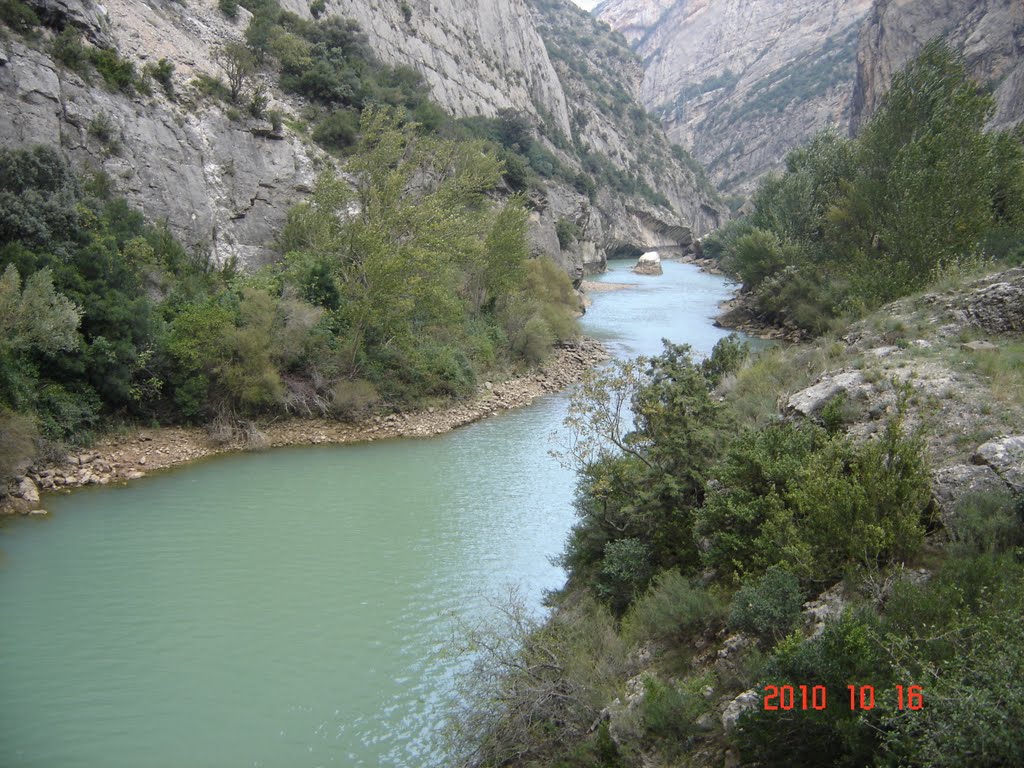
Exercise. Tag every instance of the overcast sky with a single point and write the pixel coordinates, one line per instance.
(588, 4)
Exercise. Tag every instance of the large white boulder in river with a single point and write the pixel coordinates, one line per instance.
(648, 264)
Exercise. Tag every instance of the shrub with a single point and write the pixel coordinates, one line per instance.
(625, 572)
(163, 73)
(533, 691)
(338, 131)
(102, 128)
(354, 400)
(972, 704)
(845, 653)
(117, 73)
(317, 8)
(789, 494)
(568, 233)
(670, 610)
(229, 8)
(18, 16)
(67, 48)
(989, 523)
(258, 101)
(208, 85)
(66, 415)
(668, 713)
(726, 357)
(767, 607)
(534, 340)
(17, 444)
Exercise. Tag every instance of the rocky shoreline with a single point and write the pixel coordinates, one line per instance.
(130, 456)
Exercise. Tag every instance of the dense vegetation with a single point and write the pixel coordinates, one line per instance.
(400, 289)
(853, 224)
(706, 520)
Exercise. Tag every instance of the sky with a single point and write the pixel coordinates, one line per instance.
(586, 4)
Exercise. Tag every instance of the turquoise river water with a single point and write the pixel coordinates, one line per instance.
(292, 608)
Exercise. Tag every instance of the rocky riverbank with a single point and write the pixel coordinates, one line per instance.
(738, 314)
(132, 455)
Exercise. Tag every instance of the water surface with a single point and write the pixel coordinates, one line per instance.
(292, 608)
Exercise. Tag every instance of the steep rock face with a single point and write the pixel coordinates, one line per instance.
(221, 187)
(477, 56)
(989, 33)
(740, 84)
(633, 19)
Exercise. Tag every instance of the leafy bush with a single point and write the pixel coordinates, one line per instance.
(117, 73)
(67, 48)
(18, 16)
(338, 131)
(568, 233)
(990, 523)
(163, 72)
(845, 653)
(668, 714)
(354, 400)
(790, 495)
(208, 85)
(533, 691)
(971, 651)
(670, 610)
(767, 607)
(624, 573)
(641, 483)
(229, 8)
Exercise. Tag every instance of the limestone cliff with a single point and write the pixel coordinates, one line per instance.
(224, 185)
(648, 197)
(989, 34)
(740, 84)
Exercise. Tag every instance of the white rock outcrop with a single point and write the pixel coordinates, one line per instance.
(649, 264)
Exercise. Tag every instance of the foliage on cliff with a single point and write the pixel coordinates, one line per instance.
(402, 288)
(853, 224)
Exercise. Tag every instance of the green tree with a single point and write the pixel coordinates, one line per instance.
(239, 65)
(36, 317)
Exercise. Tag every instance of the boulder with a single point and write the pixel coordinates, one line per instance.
(27, 491)
(648, 264)
(952, 483)
(998, 307)
(90, 19)
(827, 606)
(1006, 457)
(745, 702)
(978, 346)
(810, 401)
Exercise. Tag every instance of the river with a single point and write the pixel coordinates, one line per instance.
(292, 608)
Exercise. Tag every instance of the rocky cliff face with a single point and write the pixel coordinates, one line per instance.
(740, 84)
(670, 202)
(225, 185)
(477, 56)
(989, 33)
